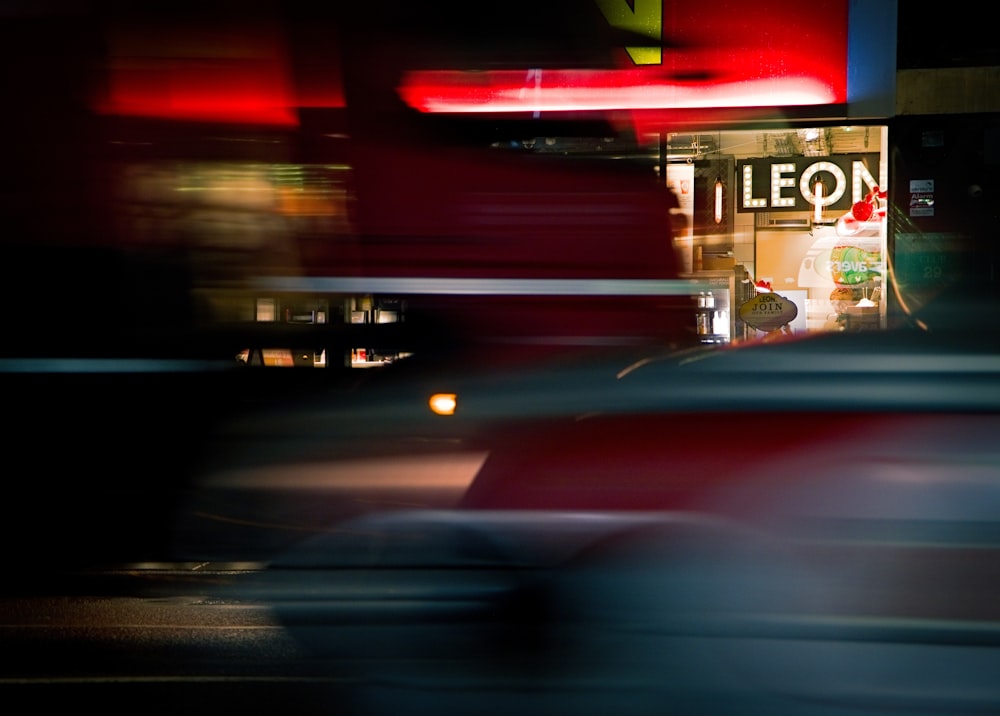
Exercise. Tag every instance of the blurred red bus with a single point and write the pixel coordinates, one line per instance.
(481, 232)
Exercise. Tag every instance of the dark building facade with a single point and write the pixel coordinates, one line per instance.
(945, 138)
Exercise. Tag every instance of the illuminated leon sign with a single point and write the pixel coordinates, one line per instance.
(709, 54)
(791, 184)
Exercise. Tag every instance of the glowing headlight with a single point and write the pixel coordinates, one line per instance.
(443, 403)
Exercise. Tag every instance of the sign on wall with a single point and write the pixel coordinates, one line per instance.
(768, 312)
(798, 183)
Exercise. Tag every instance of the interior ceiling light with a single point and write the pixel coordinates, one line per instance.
(818, 208)
(718, 200)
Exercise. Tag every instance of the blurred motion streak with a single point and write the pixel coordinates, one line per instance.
(581, 90)
(806, 526)
(283, 143)
(445, 471)
(224, 71)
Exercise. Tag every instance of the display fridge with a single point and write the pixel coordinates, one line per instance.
(718, 295)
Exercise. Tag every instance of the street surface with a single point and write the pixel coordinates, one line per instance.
(158, 641)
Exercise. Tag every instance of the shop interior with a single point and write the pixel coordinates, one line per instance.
(811, 230)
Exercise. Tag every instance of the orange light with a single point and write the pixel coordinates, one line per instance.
(718, 201)
(443, 403)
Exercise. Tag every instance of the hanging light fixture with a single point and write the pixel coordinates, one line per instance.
(818, 199)
(718, 200)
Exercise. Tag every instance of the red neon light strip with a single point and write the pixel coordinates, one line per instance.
(444, 91)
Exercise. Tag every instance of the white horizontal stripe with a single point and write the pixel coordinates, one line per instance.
(482, 286)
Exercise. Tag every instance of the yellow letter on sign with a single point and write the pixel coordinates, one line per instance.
(643, 17)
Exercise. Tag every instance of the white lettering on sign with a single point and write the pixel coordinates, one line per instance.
(783, 178)
(749, 202)
(768, 312)
(847, 266)
(806, 185)
(779, 181)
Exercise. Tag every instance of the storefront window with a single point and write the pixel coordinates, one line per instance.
(798, 214)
